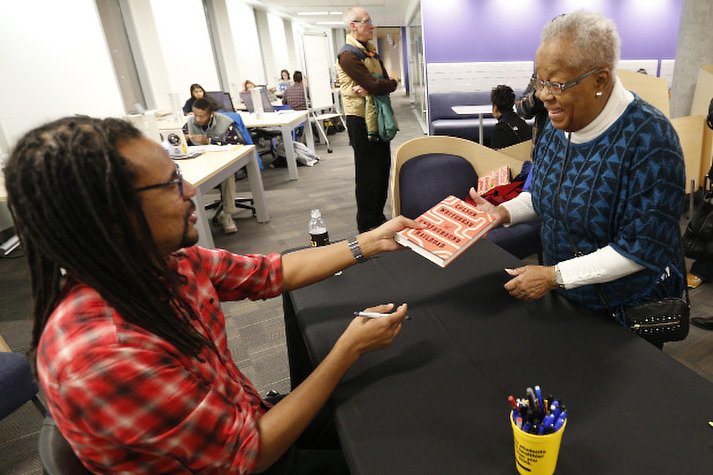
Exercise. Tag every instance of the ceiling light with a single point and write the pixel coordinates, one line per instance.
(330, 23)
(312, 13)
(335, 13)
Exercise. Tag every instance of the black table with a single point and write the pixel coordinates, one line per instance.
(435, 402)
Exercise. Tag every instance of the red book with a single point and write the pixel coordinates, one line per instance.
(451, 227)
(498, 177)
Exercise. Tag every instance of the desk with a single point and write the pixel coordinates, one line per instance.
(470, 110)
(436, 400)
(286, 121)
(212, 168)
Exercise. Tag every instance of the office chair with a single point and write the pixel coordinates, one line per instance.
(17, 382)
(428, 169)
(241, 203)
(56, 454)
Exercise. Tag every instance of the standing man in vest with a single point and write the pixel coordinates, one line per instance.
(358, 66)
(206, 127)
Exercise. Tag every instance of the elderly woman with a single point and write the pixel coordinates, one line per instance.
(607, 181)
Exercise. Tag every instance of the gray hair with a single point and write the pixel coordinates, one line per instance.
(594, 38)
(350, 15)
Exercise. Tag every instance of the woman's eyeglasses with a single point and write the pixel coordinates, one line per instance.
(557, 88)
(178, 180)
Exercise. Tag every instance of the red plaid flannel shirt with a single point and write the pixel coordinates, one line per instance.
(129, 402)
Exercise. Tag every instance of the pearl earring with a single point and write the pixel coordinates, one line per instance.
(598, 94)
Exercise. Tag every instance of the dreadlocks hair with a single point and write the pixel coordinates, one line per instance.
(75, 209)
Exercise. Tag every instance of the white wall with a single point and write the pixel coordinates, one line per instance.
(149, 58)
(278, 40)
(226, 48)
(185, 42)
(55, 63)
(57, 71)
(247, 44)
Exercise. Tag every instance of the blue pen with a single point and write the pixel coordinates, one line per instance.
(538, 393)
(546, 422)
(555, 409)
(560, 421)
(526, 427)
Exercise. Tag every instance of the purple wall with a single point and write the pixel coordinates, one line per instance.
(509, 30)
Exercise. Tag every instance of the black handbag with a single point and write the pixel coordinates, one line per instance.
(660, 320)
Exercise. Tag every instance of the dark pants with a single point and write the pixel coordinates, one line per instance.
(316, 452)
(310, 462)
(372, 164)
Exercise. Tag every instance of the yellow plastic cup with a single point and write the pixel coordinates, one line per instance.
(536, 454)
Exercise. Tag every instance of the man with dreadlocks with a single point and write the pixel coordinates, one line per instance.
(130, 340)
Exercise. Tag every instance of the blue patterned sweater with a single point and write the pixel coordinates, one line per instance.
(625, 189)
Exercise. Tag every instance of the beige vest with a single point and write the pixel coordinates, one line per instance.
(353, 102)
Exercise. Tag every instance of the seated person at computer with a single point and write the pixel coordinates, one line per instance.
(197, 92)
(295, 95)
(129, 336)
(284, 82)
(248, 84)
(206, 127)
(510, 129)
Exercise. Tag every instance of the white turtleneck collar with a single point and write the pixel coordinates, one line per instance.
(618, 101)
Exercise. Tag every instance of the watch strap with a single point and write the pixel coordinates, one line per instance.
(356, 250)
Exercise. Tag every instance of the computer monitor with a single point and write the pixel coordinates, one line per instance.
(223, 99)
(247, 98)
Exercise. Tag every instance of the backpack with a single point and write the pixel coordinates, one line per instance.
(304, 155)
(353, 49)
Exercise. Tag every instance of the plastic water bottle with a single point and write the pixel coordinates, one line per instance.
(318, 235)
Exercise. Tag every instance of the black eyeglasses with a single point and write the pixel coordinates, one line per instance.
(178, 180)
(557, 88)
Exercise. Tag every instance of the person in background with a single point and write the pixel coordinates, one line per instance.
(358, 66)
(129, 336)
(530, 106)
(248, 84)
(197, 92)
(284, 81)
(607, 179)
(510, 129)
(207, 127)
(295, 95)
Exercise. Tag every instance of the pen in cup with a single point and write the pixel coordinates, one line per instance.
(375, 315)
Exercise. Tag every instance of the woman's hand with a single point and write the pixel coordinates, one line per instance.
(531, 282)
(501, 215)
